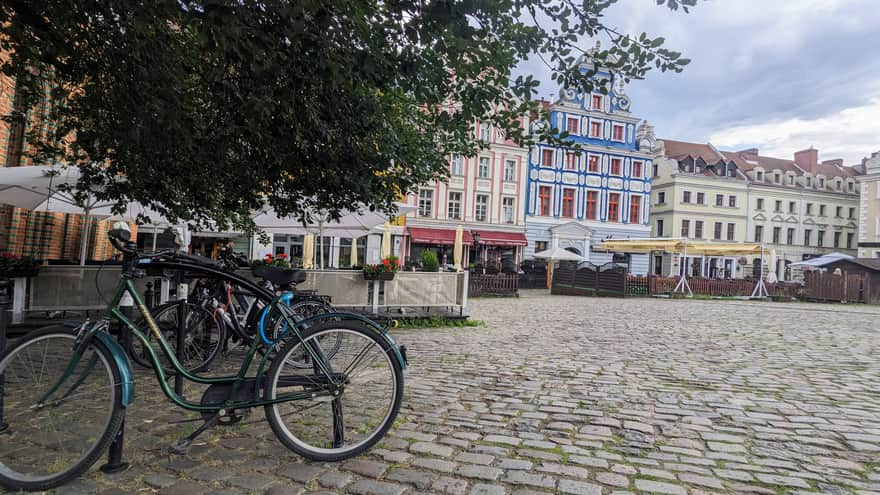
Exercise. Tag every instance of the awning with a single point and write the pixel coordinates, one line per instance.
(494, 238)
(680, 246)
(641, 245)
(425, 235)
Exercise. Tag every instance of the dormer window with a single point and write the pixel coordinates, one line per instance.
(821, 183)
(837, 185)
(790, 180)
(809, 181)
(850, 187)
(777, 178)
(759, 176)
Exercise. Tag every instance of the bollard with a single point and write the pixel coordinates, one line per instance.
(4, 324)
(182, 290)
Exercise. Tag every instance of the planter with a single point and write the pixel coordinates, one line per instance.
(20, 273)
(379, 276)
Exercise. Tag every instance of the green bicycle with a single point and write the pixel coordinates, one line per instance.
(65, 390)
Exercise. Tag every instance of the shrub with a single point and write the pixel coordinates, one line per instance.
(430, 263)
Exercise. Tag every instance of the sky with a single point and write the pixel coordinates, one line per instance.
(779, 75)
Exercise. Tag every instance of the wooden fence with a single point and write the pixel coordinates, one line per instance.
(589, 280)
(825, 286)
(713, 287)
(499, 284)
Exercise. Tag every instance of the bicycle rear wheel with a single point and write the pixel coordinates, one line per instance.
(325, 427)
(47, 444)
(203, 337)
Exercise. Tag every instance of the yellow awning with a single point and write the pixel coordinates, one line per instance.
(679, 246)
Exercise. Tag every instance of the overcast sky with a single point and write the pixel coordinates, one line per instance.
(781, 75)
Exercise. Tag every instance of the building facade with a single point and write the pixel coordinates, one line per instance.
(799, 208)
(484, 194)
(601, 189)
(869, 208)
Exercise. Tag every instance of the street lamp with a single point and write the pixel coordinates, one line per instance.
(479, 259)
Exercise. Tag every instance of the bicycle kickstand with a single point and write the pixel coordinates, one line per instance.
(180, 447)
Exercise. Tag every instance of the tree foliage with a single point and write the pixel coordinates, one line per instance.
(209, 109)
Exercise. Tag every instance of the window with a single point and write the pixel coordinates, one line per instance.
(838, 212)
(686, 197)
(808, 234)
(809, 208)
(731, 201)
(837, 185)
(510, 171)
(617, 132)
(777, 178)
(731, 229)
(485, 132)
(661, 197)
(481, 207)
(571, 160)
(547, 158)
(792, 207)
(659, 228)
(615, 166)
(849, 239)
(453, 209)
(685, 228)
(701, 198)
(821, 183)
(544, 200)
(777, 231)
(572, 125)
(760, 204)
(716, 234)
(809, 181)
(426, 202)
(593, 163)
(635, 209)
(789, 237)
(483, 167)
(597, 102)
(592, 204)
(852, 213)
(759, 233)
(790, 180)
(759, 176)
(595, 129)
(507, 209)
(850, 187)
(837, 239)
(637, 169)
(821, 210)
(820, 241)
(457, 167)
(778, 205)
(614, 207)
(719, 200)
(698, 229)
(568, 203)
(656, 170)
(540, 246)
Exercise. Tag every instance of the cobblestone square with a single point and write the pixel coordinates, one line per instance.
(577, 396)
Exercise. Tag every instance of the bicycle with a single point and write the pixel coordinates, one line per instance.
(57, 377)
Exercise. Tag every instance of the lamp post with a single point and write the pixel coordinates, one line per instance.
(479, 259)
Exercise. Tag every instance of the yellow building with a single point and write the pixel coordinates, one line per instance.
(798, 208)
(869, 208)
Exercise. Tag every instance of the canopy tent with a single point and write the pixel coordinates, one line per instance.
(684, 247)
(819, 262)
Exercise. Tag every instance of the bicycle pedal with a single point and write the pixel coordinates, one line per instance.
(180, 447)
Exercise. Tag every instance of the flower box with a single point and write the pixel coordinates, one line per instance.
(379, 276)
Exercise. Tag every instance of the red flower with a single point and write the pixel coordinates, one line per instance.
(283, 256)
(386, 262)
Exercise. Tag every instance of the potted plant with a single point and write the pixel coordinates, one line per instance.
(382, 271)
(259, 266)
(430, 263)
(12, 266)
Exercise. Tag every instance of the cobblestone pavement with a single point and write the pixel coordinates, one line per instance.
(579, 396)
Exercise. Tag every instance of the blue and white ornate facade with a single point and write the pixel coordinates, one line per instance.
(576, 198)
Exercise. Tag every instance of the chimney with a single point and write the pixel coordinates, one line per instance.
(807, 159)
(749, 154)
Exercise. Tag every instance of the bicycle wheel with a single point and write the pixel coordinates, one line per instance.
(304, 309)
(44, 446)
(326, 427)
(203, 337)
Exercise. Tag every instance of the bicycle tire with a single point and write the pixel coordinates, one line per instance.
(205, 349)
(313, 333)
(18, 436)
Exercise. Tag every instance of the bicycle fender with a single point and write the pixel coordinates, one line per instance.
(401, 358)
(121, 359)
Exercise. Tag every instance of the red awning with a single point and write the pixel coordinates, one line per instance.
(490, 238)
(425, 235)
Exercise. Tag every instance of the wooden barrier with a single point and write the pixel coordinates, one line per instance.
(499, 284)
(825, 286)
(648, 286)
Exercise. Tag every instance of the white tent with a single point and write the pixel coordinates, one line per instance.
(819, 262)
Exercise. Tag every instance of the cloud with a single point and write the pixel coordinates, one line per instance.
(848, 134)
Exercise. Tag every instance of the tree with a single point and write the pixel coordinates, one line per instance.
(207, 110)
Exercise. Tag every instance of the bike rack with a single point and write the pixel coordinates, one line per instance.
(5, 302)
(115, 464)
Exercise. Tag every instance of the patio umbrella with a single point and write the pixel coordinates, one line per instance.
(385, 250)
(556, 254)
(771, 268)
(354, 252)
(308, 251)
(37, 188)
(457, 249)
(353, 223)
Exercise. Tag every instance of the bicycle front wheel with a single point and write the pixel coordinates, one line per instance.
(323, 426)
(47, 441)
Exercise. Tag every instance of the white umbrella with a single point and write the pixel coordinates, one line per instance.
(556, 254)
(458, 248)
(354, 252)
(771, 268)
(385, 249)
(357, 221)
(37, 188)
(308, 251)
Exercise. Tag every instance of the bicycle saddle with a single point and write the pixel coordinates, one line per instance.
(280, 276)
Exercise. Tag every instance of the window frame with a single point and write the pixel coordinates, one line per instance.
(545, 161)
(568, 125)
(614, 205)
(510, 165)
(611, 167)
(545, 200)
(571, 160)
(635, 209)
(477, 206)
(594, 124)
(425, 203)
(591, 161)
(504, 209)
(488, 168)
(592, 201)
(568, 199)
(450, 202)
(457, 162)
(622, 129)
